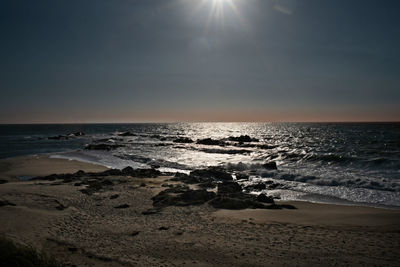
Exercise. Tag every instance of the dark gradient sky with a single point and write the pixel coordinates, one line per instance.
(174, 60)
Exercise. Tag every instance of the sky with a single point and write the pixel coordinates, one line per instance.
(67, 61)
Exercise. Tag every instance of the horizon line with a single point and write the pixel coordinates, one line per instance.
(173, 122)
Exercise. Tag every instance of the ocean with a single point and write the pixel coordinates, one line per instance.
(342, 163)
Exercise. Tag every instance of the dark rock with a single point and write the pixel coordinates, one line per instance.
(210, 142)
(187, 179)
(264, 198)
(127, 170)
(135, 233)
(114, 196)
(270, 165)
(242, 176)
(183, 140)
(126, 134)
(256, 187)
(58, 137)
(181, 197)
(2, 181)
(79, 173)
(60, 206)
(72, 249)
(106, 147)
(259, 186)
(76, 134)
(163, 228)
(95, 185)
(208, 184)
(123, 206)
(142, 185)
(214, 173)
(228, 188)
(6, 203)
(274, 186)
(150, 211)
(243, 139)
(144, 173)
(266, 146)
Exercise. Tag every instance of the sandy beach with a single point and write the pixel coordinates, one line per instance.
(111, 225)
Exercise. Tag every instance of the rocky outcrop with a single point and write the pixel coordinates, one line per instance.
(242, 139)
(181, 196)
(215, 173)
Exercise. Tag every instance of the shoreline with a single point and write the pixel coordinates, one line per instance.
(112, 225)
(64, 165)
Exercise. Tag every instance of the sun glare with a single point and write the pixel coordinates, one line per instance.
(220, 10)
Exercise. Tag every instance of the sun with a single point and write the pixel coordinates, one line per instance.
(220, 9)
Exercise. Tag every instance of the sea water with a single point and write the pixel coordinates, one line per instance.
(349, 163)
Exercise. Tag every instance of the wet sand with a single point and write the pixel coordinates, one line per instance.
(107, 228)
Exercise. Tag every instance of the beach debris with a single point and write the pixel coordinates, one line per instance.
(163, 228)
(184, 140)
(2, 181)
(134, 233)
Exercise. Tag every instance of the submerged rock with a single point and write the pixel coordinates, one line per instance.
(210, 142)
(183, 140)
(106, 147)
(270, 165)
(76, 134)
(242, 139)
(58, 137)
(126, 134)
(242, 176)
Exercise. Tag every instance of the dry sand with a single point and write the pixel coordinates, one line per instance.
(87, 230)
